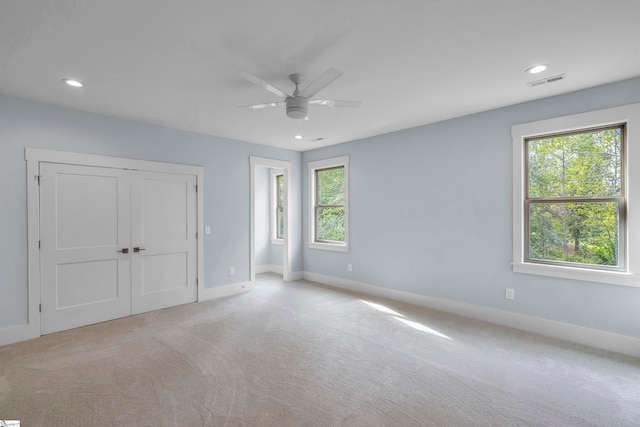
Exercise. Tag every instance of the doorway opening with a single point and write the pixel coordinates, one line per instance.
(270, 217)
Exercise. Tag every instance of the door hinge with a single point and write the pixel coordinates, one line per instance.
(40, 308)
(196, 188)
(39, 244)
(38, 178)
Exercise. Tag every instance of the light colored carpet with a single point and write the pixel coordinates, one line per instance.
(300, 354)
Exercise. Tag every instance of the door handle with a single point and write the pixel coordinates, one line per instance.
(124, 250)
(137, 249)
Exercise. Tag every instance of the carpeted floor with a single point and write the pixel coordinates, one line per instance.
(300, 354)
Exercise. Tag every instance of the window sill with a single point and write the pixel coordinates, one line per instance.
(600, 276)
(277, 242)
(337, 247)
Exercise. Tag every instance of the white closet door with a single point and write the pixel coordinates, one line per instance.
(163, 225)
(84, 223)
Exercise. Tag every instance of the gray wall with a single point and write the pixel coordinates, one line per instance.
(431, 213)
(226, 197)
(430, 206)
(276, 254)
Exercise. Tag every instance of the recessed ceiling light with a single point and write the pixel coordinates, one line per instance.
(73, 83)
(536, 69)
(298, 137)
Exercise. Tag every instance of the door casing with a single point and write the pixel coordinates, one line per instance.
(256, 162)
(36, 156)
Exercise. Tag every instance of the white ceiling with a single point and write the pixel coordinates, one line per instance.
(410, 62)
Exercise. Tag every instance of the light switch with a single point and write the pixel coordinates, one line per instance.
(207, 229)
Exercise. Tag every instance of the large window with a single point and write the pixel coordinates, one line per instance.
(329, 204)
(573, 196)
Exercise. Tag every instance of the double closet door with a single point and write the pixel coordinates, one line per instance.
(113, 243)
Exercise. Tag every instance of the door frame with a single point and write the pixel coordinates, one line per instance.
(35, 156)
(262, 162)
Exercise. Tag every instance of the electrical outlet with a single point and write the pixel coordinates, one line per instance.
(349, 267)
(232, 271)
(510, 294)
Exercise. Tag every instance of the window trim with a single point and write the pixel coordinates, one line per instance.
(629, 116)
(275, 240)
(342, 161)
(621, 200)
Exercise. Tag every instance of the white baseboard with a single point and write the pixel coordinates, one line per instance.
(269, 268)
(296, 275)
(578, 334)
(205, 294)
(274, 268)
(18, 333)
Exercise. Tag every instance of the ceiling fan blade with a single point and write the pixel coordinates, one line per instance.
(334, 103)
(321, 82)
(257, 80)
(258, 106)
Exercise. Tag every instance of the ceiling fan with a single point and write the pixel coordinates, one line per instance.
(298, 102)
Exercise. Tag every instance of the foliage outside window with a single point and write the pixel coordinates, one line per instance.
(329, 204)
(575, 200)
(279, 214)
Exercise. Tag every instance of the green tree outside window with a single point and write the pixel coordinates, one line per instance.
(575, 201)
(330, 205)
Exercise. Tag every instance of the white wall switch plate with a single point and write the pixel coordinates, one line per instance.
(207, 229)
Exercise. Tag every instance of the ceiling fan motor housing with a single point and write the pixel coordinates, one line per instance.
(297, 107)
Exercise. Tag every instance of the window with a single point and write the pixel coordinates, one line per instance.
(574, 202)
(329, 204)
(279, 204)
(573, 178)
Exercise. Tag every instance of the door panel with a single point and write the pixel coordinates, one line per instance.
(86, 211)
(163, 224)
(84, 221)
(163, 272)
(81, 283)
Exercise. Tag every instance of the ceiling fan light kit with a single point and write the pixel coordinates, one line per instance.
(297, 107)
(297, 103)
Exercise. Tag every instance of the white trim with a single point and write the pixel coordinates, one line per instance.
(322, 164)
(269, 268)
(34, 157)
(297, 275)
(596, 338)
(628, 114)
(19, 333)
(600, 276)
(337, 247)
(273, 200)
(225, 291)
(286, 251)
(64, 157)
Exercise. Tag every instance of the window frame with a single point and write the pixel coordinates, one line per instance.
(629, 117)
(275, 173)
(621, 200)
(319, 165)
